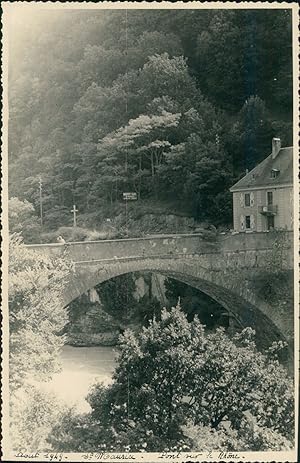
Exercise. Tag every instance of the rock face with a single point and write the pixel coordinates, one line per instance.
(152, 223)
(152, 285)
(141, 287)
(93, 328)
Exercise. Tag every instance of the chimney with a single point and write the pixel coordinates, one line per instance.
(276, 146)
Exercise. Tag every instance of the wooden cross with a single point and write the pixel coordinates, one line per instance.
(74, 210)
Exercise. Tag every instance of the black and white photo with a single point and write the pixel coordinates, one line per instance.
(150, 231)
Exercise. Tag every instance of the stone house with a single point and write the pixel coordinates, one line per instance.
(263, 198)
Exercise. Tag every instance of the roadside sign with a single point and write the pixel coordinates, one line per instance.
(131, 196)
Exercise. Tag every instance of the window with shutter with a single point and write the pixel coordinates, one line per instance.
(247, 199)
(242, 222)
(247, 222)
(241, 200)
(252, 222)
(251, 199)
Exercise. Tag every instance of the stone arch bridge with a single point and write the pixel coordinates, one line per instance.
(229, 268)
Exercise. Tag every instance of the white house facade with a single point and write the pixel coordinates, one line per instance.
(263, 198)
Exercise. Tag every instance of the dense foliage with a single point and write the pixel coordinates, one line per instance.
(34, 413)
(36, 317)
(23, 219)
(177, 387)
(195, 302)
(36, 313)
(170, 104)
(117, 295)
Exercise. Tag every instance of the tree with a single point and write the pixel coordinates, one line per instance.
(36, 319)
(140, 138)
(238, 384)
(22, 219)
(167, 76)
(250, 437)
(39, 408)
(175, 384)
(252, 133)
(148, 307)
(208, 177)
(111, 67)
(36, 313)
(233, 62)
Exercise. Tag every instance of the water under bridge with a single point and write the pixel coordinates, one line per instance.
(230, 268)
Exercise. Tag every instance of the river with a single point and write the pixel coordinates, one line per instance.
(81, 367)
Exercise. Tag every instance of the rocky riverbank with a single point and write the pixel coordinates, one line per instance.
(86, 333)
(99, 322)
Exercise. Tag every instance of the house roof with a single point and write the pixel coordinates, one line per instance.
(260, 176)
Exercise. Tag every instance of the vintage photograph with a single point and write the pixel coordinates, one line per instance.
(150, 231)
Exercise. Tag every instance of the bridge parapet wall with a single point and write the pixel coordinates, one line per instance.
(132, 247)
(165, 245)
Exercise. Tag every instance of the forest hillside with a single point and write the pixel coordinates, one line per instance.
(172, 105)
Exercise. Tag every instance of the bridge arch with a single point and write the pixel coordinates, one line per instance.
(229, 268)
(231, 292)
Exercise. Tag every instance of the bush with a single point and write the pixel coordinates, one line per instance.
(50, 237)
(148, 308)
(205, 438)
(57, 216)
(94, 235)
(33, 415)
(249, 437)
(177, 387)
(72, 233)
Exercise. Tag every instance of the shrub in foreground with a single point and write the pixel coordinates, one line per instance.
(177, 387)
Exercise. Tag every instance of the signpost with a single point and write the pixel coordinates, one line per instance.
(129, 196)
